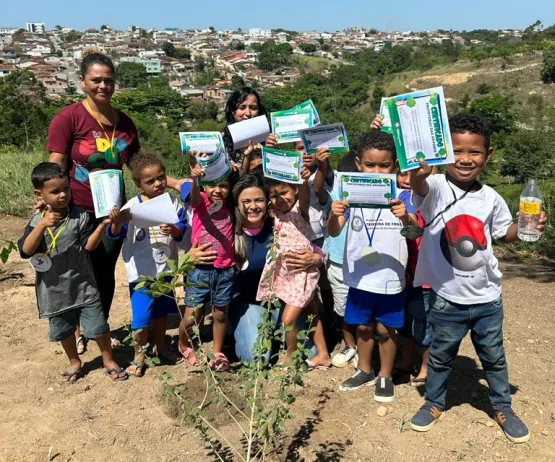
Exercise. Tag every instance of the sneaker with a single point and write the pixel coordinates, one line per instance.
(343, 358)
(426, 417)
(515, 429)
(358, 379)
(385, 390)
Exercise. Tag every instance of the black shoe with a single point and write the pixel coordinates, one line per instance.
(358, 379)
(385, 390)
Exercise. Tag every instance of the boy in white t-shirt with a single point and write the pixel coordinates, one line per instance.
(462, 218)
(374, 269)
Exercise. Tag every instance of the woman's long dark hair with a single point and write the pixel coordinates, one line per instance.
(250, 180)
(238, 97)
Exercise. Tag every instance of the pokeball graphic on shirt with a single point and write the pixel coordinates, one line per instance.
(464, 243)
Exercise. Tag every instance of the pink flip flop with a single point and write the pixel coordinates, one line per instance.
(220, 363)
(189, 355)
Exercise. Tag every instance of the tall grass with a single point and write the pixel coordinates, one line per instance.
(16, 190)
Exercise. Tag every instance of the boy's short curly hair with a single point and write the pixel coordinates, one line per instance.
(142, 160)
(464, 122)
(376, 139)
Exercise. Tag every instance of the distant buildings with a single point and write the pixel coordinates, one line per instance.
(36, 27)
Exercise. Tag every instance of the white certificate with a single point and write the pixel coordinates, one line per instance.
(217, 167)
(208, 142)
(282, 165)
(286, 124)
(420, 128)
(106, 189)
(332, 136)
(371, 190)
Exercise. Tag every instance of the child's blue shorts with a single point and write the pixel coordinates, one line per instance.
(365, 308)
(209, 285)
(145, 307)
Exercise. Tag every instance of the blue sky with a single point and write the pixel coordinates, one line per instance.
(289, 14)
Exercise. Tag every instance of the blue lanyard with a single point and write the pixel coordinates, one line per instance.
(370, 237)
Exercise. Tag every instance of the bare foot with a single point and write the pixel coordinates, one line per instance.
(321, 360)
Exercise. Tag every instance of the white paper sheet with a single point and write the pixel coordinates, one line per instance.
(106, 189)
(154, 212)
(256, 130)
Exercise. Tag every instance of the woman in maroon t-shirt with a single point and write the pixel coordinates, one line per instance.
(91, 135)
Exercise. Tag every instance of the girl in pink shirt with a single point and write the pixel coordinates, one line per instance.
(210, 283)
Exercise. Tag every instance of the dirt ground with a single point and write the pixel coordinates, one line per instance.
(96, 419)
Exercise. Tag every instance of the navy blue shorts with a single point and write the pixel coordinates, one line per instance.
(365, 308)
(206, 284)
(145, 307)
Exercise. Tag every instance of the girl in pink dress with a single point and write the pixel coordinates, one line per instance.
(292, 234)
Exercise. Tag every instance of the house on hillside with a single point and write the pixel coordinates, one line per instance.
(6, 69)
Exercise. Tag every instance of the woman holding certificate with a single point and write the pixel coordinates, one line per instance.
(243, 104)
(92, 135)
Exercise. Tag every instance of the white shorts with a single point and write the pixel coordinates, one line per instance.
(339, 290)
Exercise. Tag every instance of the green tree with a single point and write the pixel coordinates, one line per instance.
(158, 81)
(528, 154)
(548, 69)
(59, 53)
(237, 82)
(58, 27)
(161, 104)
(201, 110)
(308, 47)
(377, 94)
(169, 49)
(272, 56)
(497, 109)
(131, 75)
(24, 110)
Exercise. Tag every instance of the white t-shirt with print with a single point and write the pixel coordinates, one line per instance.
(139, 245)
(456, 257)
(382, 272)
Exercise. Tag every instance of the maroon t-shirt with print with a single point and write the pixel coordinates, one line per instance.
(77, 134)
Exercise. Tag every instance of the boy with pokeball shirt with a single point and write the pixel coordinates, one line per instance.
(462, 218)
(57, 242)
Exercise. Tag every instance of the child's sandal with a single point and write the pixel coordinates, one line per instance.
(136, 369)
(220, 363)
(81, 345)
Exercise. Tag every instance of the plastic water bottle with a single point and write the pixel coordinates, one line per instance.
(530, 208)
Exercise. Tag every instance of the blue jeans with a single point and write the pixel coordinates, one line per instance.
(245, 318)
(450, 324)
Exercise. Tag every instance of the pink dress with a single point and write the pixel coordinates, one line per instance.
(292, 233)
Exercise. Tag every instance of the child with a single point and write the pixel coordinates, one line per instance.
(58, 242)
(213, 283)
(374, 269)
(145, 253)
(335, 248)
(295, 288)
(417, 331)
(462, 217)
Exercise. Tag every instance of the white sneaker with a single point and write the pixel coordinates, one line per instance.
(343, 358)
